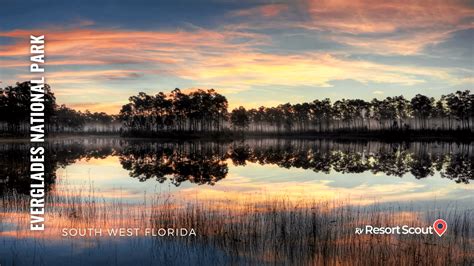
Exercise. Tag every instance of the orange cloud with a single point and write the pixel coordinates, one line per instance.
(270, 10)
(408, 25)
(369, 16)
(385, 27)
(209, 59)
(240, 71)
(83, 46)
(106, 54)
(109, 54)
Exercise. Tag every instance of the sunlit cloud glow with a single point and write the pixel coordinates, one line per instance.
(264, 45)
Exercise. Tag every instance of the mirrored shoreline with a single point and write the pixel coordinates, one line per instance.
(205, 162)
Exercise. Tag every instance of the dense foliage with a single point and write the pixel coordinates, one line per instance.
(198, 111)
(206, 111)
(15, 110)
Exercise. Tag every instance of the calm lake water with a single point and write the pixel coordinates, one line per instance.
(112, 182)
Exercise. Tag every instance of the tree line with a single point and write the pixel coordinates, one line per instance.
(454, 111)
(198, 111)
(206, 111)
(15, 110)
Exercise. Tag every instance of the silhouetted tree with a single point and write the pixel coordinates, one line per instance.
(203, 111)
(239, 118)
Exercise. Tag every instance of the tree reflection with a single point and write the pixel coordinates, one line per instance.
(196, 163)
(207, 162)
(14, 161)
(459, 168)
(454, 161)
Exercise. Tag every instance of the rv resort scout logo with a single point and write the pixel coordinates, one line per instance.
(439, 227)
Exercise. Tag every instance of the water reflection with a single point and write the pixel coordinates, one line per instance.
(200, 163)
(14, 160)
(207, 162)
(261, 201)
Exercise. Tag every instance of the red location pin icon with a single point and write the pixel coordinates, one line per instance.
(440, 226)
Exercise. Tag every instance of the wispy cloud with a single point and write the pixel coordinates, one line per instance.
(242, 71)
(385, 27)
(108, 46)
(268, 10)
(210, 59)
(242, 52)
(372, 16)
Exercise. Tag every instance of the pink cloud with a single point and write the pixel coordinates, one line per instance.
(408, 26)
(369, 16)
(270, 10)
(384, 27)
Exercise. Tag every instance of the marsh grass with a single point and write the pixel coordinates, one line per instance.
(276, 231)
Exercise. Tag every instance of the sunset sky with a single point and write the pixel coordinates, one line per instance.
(254, 52)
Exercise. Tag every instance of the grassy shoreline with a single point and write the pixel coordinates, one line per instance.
(278, 231)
